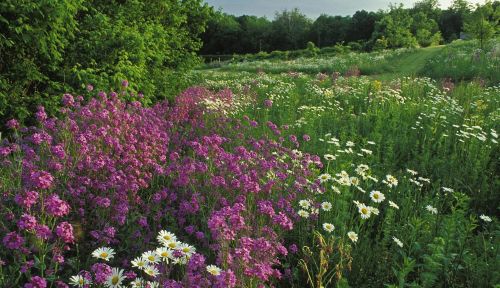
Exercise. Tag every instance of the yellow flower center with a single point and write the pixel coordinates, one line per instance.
(172, 245)
(375, 196)
(115, 279)
(164, 254)
(166, 237)
(104, 255)
(364, 210)
(151, 258)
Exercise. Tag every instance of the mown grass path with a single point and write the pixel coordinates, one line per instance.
(409, 65)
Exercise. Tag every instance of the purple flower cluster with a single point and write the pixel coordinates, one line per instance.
(113, 171)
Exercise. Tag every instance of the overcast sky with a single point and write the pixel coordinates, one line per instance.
(312, 8)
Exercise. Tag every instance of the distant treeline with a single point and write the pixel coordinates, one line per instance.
(424, 24)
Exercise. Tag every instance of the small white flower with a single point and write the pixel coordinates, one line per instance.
(431, 209)
(353, 236)
(354, 181)
(393, 205)
(391, 181)
(349, 144)
(329, 157)
(79, 281)
(104, 253)
(305, 204)
(326, 206)
(398, 242)
(377, 196)
(336, 189)
(374, 210)
(303, 213)
(214, 270)
(485, 218)
(412, 172)
(328, 227)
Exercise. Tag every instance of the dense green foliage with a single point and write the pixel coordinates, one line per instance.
(424, 24)
(51, 47)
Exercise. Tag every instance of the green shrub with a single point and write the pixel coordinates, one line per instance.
(52, 47)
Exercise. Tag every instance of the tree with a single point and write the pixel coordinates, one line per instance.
(395, 26)
(289, 30)
(329, 30)
(362, 25)
(451, 21)
(254, 34)
(483, 22)
(222, 35)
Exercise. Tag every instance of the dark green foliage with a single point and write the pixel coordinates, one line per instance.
(52, 47)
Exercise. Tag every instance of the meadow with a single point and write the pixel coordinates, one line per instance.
(351, 170)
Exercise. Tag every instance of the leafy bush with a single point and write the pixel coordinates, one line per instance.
(49, 47)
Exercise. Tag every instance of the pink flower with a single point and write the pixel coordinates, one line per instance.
(55, 206)
(13, 124)
(65, 231)
(42, 179)
(13, 241)
(27, 222)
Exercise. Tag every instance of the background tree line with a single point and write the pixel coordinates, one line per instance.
(424, 24)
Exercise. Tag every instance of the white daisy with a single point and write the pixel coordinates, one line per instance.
(324, 177)
(326, 206)
(377, 196)
(79, 281)
(151, 270)
(187, 249)
(172, 244)
(137, 283)
(303, 213)
(164, 237)
(138, 262)
(153, 284)
(364, 211)
(214, 270)
(150, 257)
(164, 253)
(353, 236)
(104, 253)
(305, 204)
(115, 279)
(354, 181)
(328, 227)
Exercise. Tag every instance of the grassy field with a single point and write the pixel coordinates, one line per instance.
(436, 136)
(353, 170)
